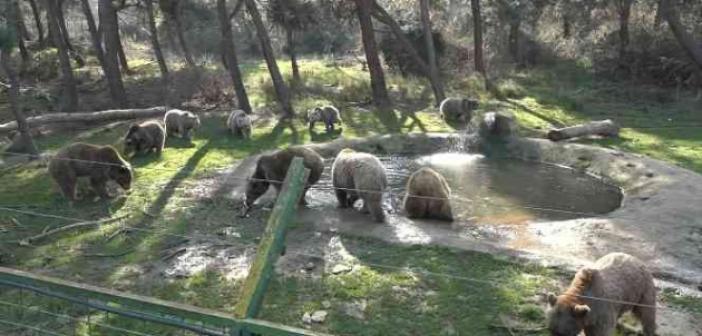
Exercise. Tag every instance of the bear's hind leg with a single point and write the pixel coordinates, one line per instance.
(342, 197)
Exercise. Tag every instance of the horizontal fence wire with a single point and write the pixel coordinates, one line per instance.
(495, 284)
(370, 191)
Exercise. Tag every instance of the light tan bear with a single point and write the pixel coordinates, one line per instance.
(427, 196)
(458, 109)
(360, 175)
(239, 124)
(181, 123)
(329, 115)
(600, 294)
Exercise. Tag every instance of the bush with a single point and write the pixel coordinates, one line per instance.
(398, 59)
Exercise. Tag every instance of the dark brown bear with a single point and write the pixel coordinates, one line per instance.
(274, 167)
(99, 163)
(600, 294)
(145, 137)
(428, 196)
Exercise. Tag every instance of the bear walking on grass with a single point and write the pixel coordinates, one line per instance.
(600, 294)
(458, 109)
(274, 167)
(99, 163)
(180, 123)
(145, 137)
(360, 175)
(329, 115)
(427, 196)
(239, 124)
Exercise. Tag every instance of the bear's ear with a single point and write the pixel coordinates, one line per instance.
(580, 310)
(587, 273)
(551, 298)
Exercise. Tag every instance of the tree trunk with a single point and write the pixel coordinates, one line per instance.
(49, 32)
(380, 92)
(19, 27)
(431, 52)
(156, 46)
(22, 26)
(383, 16)
(123, 62)
(80, 62)
(181, 37)
(37, 21)
(230, 59)
(87, 117)
(624, 9)
(605, 128)
(686, 40)
(94, 35)
(23, 143)
(111, 41)
(513, 39)
(281, 89)
(290, 34)
(68, 83)
(478, 37)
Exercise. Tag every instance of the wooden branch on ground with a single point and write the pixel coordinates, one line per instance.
(606, 128)
(87, 117)
(30, 240)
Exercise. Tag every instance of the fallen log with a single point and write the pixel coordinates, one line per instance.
(87, 117)
(605, 128)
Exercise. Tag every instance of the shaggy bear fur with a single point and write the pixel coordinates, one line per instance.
(329, 115)
(99, 163)
(458, 109)
(497, 125)
(364, 173)
(616, 276)
(274, 167)
(239, 123)
(433, 196)
(180, 123)
(145, 137)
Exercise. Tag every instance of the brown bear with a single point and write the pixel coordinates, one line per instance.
(145, 137)
(99, 163)
(329, 115)
(180, 123)
(239, 123)
(458, 109)
(360, 175)
(427, 196)
(274, 167)
(600, 294)
(497, 125)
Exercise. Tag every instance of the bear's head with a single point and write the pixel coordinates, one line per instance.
(564, 317)
(258, 183)
(134, 139)
(122, 175)
(567, 314)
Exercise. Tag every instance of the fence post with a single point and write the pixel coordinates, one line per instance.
(272, 241)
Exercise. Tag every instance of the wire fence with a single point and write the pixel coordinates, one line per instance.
(84, 321)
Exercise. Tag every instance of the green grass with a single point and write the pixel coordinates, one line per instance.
(398, 301)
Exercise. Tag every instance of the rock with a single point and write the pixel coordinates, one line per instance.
(326, 304)
(355, 309)
(309, 266)
(306, 318)
(340, 268)
(319, 316)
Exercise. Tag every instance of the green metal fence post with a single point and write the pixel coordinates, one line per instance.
(273, 240)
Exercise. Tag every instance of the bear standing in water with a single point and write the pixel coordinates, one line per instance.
(144, 138)
(100, 163)
(617, 278)
(274, 167)
(360, 175)
(427, 196)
